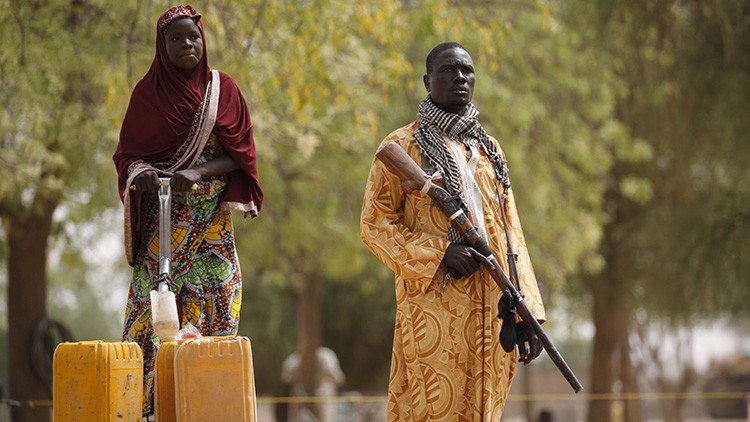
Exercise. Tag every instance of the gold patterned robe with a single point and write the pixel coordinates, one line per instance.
(447, 363)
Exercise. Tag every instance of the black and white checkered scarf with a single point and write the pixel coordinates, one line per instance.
(433, 121)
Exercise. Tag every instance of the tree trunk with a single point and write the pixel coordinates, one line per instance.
(309, 334)
(629, 381)
(612, 291)
(606, 341)
(27, 278)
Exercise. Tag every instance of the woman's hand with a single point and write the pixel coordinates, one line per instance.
(183, 180)
(147, 181)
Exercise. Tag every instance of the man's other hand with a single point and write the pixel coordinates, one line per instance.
(529, 345)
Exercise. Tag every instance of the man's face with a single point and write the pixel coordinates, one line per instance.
(184, 43)
(451, 80)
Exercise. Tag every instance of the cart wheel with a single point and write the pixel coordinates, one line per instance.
(48, 333)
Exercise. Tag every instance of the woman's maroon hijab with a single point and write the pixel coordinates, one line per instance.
(163, 106)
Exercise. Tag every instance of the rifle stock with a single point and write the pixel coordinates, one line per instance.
(414, 178)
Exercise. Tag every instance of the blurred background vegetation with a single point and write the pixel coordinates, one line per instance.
(625, 123)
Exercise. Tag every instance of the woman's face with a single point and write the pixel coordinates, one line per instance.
(184, 43)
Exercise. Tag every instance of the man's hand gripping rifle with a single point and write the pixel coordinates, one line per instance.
(414, 178)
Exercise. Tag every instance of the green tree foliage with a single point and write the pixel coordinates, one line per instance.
(54, 128)
(685, 71)
(675, 255)
(703, 203)
(351, 73)
(326, 81)
(54, 120)
(644, 100)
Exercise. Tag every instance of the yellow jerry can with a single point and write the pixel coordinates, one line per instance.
(214, 380)
(97, 381)
(164, 392)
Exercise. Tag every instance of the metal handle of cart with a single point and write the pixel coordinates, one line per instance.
(165, 228)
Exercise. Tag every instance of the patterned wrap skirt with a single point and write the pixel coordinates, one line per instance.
(204, 266)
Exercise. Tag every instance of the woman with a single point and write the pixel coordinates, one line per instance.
(189, 123)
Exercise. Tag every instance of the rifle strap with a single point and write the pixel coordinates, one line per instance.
(510, 335)
(511, 255)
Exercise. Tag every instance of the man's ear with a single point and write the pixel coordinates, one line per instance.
(426, 79)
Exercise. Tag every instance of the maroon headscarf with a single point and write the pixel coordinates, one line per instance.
(162, 108)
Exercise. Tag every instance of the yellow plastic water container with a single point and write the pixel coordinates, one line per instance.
(164, 392)
(214, 380)
(97, 381)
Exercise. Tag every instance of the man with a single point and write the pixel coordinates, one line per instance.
(447, 363)
(329, 377)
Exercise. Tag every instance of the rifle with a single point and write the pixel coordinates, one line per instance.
(414, 178)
